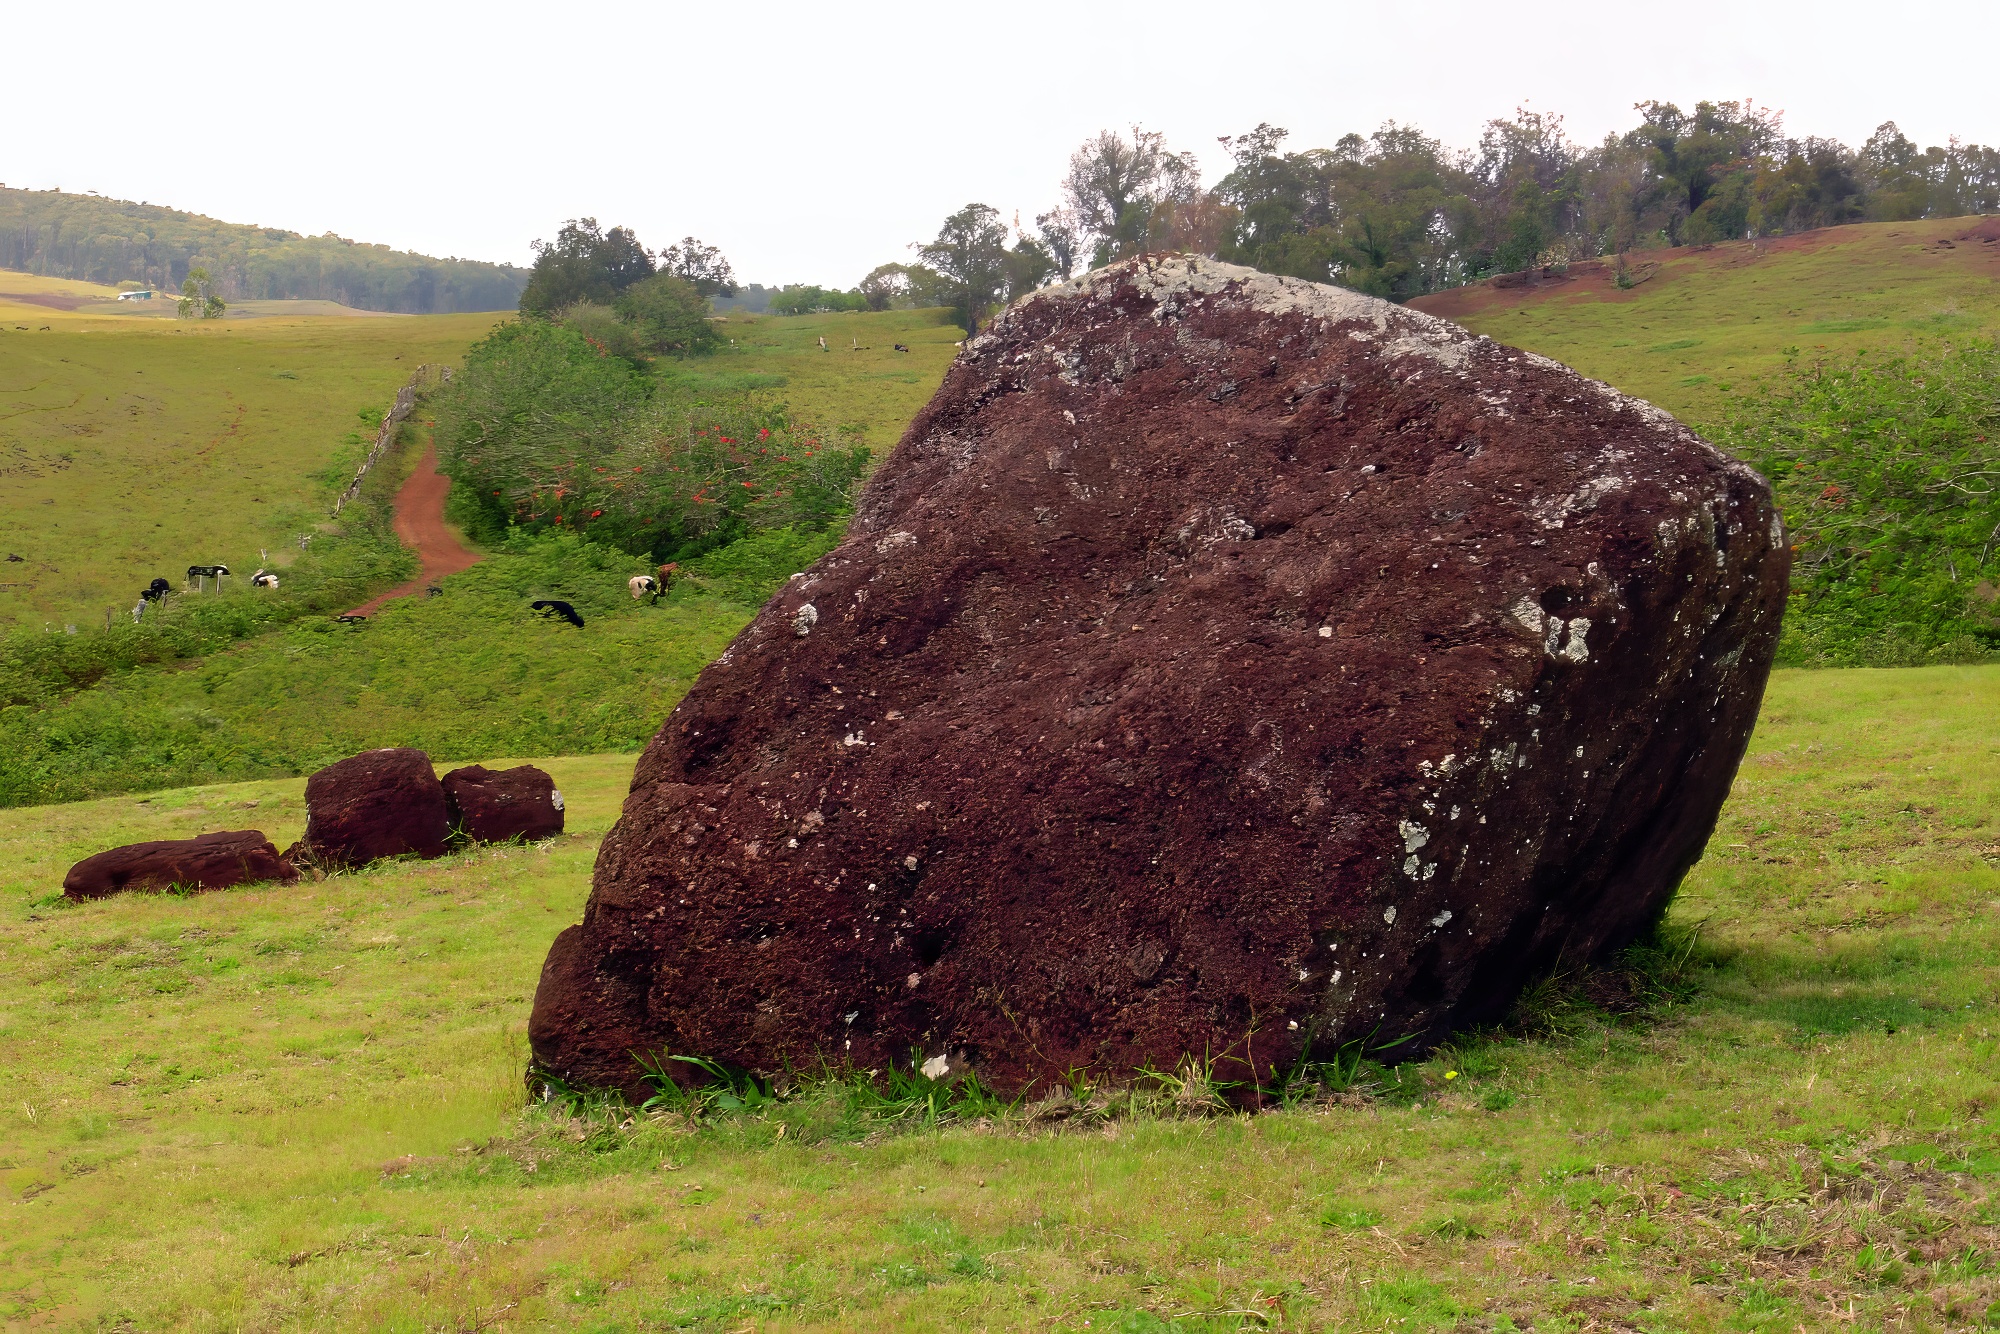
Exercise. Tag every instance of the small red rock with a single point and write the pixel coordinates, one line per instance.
(380, 803)
(211, 861)
(493, 806)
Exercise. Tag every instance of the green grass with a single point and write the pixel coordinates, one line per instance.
(467, 673)
(1714, 320)
(300, 1108)
(133, 447)
(874, 391)
(472, 672)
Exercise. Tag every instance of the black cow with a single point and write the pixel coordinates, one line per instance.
(433, 591)
(560, 610)
(155, 591)
(200, 572)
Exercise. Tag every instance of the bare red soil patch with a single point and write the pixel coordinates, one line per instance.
(421, 526)
(53, 300)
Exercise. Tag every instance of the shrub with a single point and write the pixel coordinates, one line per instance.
(545, 431)
(1887, 470)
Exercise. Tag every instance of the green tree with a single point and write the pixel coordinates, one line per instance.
(198, 297)
(1115, 186)
(669, 314)
(700, 266)
(970, 253)
(583, 263)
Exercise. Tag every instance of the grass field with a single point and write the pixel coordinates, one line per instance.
(1720, 317)
(471, 672)
(301, 1109)
(132, 447)
(860, 381)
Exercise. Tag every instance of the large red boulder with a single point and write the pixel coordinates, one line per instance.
(210, 861)
(493, 806)
(1221, 665)
(380, 803)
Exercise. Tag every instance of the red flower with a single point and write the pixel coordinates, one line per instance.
(763, 434)
(596, 514)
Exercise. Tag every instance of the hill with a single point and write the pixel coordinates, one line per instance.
(1703, 320)
(303, 1107)
(99, 240)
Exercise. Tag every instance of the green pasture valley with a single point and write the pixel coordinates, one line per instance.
(1710, 319)
(132, 448)
(302, 1107)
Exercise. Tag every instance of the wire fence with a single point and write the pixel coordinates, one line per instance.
(425, 378)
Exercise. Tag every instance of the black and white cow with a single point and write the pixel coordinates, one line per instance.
(263, 579)
(198, 573)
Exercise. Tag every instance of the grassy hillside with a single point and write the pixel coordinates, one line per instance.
(301, 1108)
(132, 447)
(468, 673)
(1713, 318)
(471, 672)
(860, 381)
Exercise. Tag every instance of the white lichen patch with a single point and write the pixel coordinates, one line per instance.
(804, 619)
(1167, 279)
(1414, 835)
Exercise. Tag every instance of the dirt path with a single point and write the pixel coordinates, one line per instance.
(421, 526)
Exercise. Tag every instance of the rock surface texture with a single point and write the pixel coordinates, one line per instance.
(211, 861)
(380, 803)
(1221, 664)
(492, 806)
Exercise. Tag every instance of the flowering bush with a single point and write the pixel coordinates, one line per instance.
(543, 431)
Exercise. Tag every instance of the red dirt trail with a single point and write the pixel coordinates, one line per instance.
(420, 524)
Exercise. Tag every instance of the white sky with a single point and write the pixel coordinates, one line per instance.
(814, 141)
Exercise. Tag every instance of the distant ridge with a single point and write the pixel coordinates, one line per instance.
(101, 240)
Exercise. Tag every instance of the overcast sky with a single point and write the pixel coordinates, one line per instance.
(814, 141)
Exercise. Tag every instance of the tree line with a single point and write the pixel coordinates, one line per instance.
(110, 241)
(1397, 213)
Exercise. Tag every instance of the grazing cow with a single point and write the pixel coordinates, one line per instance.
(643, 584)
(263, 579)
(822, 344)
(12, 557)
(155, 591)
(902, 347)
(349, 618)
(199, 573)
(560, 610)
(433, 591)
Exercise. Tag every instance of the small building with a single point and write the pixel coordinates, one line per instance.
(142, 295)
